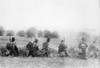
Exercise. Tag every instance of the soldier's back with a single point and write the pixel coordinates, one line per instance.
(62, 47)
(45, 45)
(30, 45)
(35, 47)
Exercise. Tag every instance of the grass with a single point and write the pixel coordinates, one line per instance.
(56, 62)
(53, 62)
(54, 43)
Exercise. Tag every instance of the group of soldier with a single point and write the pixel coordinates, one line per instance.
(33, 49)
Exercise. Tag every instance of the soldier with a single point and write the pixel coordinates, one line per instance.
(11, 47)
(93, 50)
(35, 48)
(45, 47)
(14, 47)
(62, 49)
(82, 46)
(29, 47)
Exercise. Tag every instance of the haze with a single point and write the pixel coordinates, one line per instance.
(60, 15)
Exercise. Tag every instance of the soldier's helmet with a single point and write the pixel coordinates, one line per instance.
(48, 39)
(83, 39)
(62, 41)
(36, 40)
(13, 39)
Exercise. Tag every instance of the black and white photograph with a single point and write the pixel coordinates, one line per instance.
(49, 33)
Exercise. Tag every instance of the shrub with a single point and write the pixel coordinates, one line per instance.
(54, 35)
(40, 34)
(21, 33)
(23, 52)
(3, 51)
(47, 33)
(73, 52)
(1, 30)
(31, 32)
(9, 33)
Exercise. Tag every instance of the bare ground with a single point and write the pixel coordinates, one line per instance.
(55, 62)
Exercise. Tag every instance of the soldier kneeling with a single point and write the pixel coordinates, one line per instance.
(62, 49)
(11, 47)
(45, 48)
(35, 48)
(29, 47)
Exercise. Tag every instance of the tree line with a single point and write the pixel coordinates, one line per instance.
(31, 32)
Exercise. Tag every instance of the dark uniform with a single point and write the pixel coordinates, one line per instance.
(29, 47)
(35, 50)
(45, 47)
(12, 48)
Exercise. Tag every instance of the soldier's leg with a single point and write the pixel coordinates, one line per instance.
(47, 52)
(11, 53)
(17, 53)
(80, 54)
(66, 54)
(33, 53)
(29, 53)
(37, 54)
(83, 54)
(14, 53)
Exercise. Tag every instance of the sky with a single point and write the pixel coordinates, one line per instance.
(54, 15)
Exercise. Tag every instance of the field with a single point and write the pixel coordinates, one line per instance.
(37, 62)
(21, 42)
(13, 62)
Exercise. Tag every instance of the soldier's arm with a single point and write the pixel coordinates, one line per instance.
(59, 48)
(66, 47)
(49, 45)
(86, 44)
(16, 47)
